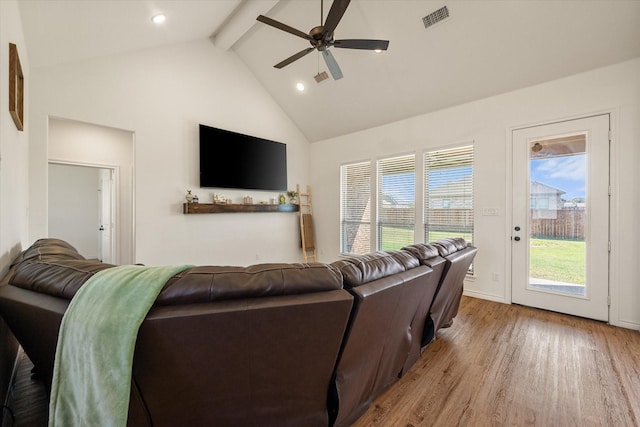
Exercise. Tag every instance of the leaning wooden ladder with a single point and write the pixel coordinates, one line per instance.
(306, 224)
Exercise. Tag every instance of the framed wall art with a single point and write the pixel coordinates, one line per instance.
(16, 87)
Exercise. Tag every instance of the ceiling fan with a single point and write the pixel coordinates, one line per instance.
(321, 38)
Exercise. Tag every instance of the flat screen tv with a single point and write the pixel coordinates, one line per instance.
(233, 160)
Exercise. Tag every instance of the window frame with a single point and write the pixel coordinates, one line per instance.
(425, 231)
(379, 200)
(369, 234)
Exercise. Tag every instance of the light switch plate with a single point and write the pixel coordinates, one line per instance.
(489, 211)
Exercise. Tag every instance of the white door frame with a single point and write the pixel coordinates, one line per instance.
(614, 114)
(115, 226)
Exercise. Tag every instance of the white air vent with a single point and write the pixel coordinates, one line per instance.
(435, 17)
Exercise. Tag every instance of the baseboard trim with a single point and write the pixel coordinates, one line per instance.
(625, 324)
(482, 295)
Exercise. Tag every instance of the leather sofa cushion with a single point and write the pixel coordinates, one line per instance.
(361, 269)
(406, 258)
(57, 277)
(43, 249)
(214, 283)
(422, 251)
(448, 246)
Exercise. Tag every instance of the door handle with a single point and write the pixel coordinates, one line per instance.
(101, 228)
(517, 238)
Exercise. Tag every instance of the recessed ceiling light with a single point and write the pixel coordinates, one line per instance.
(378, 51)
(300, 86)
(159, 18)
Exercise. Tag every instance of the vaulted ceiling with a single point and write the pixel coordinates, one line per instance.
(485, 48)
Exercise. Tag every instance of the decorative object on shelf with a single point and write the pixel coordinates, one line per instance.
(16, 87)
(293, 196)
(248, 200)
(220, 200)
(282, 199)
(189, 197)
(195, 198)
(287, 207)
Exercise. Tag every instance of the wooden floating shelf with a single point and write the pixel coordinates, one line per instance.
(209, 208)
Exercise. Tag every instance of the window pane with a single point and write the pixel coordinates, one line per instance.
(396, 202)
(448, 198)
(355, 208)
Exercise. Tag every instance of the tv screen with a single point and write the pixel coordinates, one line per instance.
(233, 160)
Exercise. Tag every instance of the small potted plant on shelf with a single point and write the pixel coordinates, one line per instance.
(293, 196)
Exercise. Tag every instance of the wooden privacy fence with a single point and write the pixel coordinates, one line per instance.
(568, 224)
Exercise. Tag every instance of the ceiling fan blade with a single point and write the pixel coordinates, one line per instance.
(333, 18)
(362, 44)
(332, 65)
(295, 57)
(283, 27)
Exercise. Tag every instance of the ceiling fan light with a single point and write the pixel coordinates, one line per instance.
(321, 76)
(159, 18)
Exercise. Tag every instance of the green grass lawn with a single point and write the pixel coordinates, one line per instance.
(403, 237)
(560, 260)
(551, 259)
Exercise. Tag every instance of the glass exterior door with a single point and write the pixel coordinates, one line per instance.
(558, 214)
(561, 217)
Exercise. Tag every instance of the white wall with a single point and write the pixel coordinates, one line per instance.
(14, 144)
(14, 173)
(75, 142)
(161, 95)
(73, 207)
(487, 122)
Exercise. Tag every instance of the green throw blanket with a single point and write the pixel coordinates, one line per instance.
(92, 373)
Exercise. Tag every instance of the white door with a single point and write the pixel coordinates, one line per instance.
(105, 196)
(560, 217)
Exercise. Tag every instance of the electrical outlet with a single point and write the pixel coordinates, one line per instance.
(495, 277)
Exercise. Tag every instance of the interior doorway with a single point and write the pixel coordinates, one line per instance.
(82, 203)
(83, 144)
(560, 217)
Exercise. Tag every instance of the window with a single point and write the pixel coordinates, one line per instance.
(355, 208)
(448, 194)
(396, 202)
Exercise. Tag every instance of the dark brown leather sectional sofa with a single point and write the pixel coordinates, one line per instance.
(265, 345)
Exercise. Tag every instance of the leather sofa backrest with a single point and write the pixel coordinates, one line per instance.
(391, 292)
(429, 255)
(59, 278)
(406, 258)
(63, 278)
(449, 245)
(215, 283)
(361, 269)
(422, 251)
(264, 361)
(459, 256)
(49, 248)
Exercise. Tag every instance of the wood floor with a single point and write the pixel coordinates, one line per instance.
(29, 403)
(511, 365)
(497, 365)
